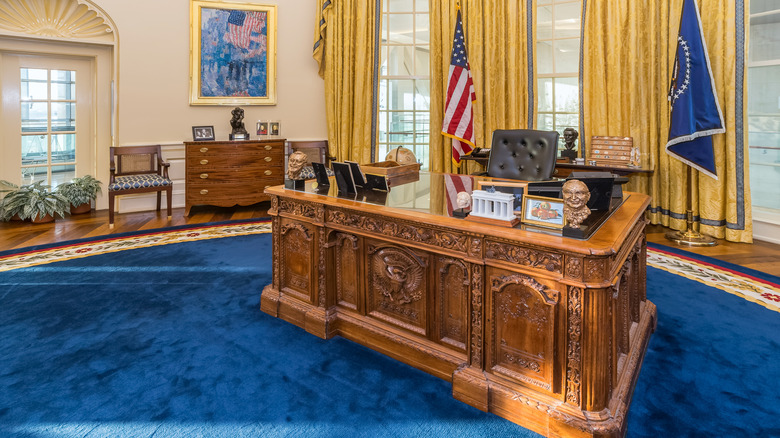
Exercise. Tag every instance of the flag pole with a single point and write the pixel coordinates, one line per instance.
(690, 236)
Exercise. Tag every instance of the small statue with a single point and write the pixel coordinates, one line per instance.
(570, 136)
(295, 163)
(575, 199)
(463, 202)
(237, 123)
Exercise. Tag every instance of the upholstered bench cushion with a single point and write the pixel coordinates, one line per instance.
(308, 172)
(138, 181)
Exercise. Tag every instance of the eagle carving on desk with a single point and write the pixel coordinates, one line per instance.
(398, 276)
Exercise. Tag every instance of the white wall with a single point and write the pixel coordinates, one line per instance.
(154, 68)
(153, 83)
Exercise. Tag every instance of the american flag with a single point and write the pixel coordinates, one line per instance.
(241, 25)
(458, 113)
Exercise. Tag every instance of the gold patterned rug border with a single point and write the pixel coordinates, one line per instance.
(736, 283)
(113, 244)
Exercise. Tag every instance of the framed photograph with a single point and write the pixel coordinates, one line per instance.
(232, 53)
(262, 128)
(321, 172)
(202, 133)
(344, 179)
(275, 127)
(357, 173)
(542, 211)
(516, 188)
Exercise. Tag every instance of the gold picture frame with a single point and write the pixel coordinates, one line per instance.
(232, 53)
(538, 210)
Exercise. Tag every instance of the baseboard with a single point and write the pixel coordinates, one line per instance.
(766, 225)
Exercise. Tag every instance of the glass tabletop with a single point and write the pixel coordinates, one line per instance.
(424, 192)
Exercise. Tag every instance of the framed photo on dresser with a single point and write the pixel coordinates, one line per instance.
(202, 133)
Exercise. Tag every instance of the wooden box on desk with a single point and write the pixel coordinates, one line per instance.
(611, 151)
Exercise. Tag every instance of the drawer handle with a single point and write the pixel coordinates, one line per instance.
(268, 172)
(268, 147)
(204, 176)
(204, 161)
(268, 158)
(204, 149)
(204, 192)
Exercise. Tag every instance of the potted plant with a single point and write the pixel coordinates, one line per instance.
(81, 192)
(35, 202)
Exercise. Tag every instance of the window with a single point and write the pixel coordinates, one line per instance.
(764, 106)
(558, 25)
(403, 113)
(48, 125)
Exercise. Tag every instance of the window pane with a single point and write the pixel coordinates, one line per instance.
(62, 174)
(400, 5)
(567, 20)
(63, 116)
(382, 126)
(544, 92)
(567, 95)
(37, 74)
(401, 94)
(421, 5)
(563, 121)
(422, 62)
(63, 148)
(401, 127)
(33, 90)
(35, 149)
(757, 6)
(567, 56)
(35, 174)
(764, 34)
(384, 90)
(400, 62)
(383, 62)
(544, 58)
(544, 122)
(35, 117)
(544, 22)
(422, 34)
(63, 85)
(401, 28)
(422, 97)
(764, 134)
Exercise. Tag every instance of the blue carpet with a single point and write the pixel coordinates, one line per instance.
(169, 341)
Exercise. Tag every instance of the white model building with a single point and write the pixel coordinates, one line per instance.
(495, 205)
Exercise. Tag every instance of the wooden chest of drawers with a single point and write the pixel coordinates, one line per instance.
(228, 173)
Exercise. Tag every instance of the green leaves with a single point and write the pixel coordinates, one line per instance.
(80, 190)
(34, 201)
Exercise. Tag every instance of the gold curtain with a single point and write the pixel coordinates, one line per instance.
(496, 44)
(629, 49)
(345, 31)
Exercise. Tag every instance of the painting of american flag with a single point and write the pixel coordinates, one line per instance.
(458, 112)
(234, 60)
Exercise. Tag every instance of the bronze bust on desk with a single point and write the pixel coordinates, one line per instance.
(570, 136)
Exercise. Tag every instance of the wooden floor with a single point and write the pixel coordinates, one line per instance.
(760, 256)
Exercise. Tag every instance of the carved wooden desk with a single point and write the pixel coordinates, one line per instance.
(546, 331)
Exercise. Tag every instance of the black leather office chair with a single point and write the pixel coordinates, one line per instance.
(524, 154)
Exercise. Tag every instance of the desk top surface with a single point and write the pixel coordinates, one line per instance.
(430, 197)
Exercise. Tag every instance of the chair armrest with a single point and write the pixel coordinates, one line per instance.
(164, 166)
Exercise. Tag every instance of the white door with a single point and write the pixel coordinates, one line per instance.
(48, 118)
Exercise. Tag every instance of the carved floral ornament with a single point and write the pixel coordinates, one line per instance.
(72, 19)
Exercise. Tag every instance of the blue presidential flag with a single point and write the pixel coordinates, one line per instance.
(696, 113)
